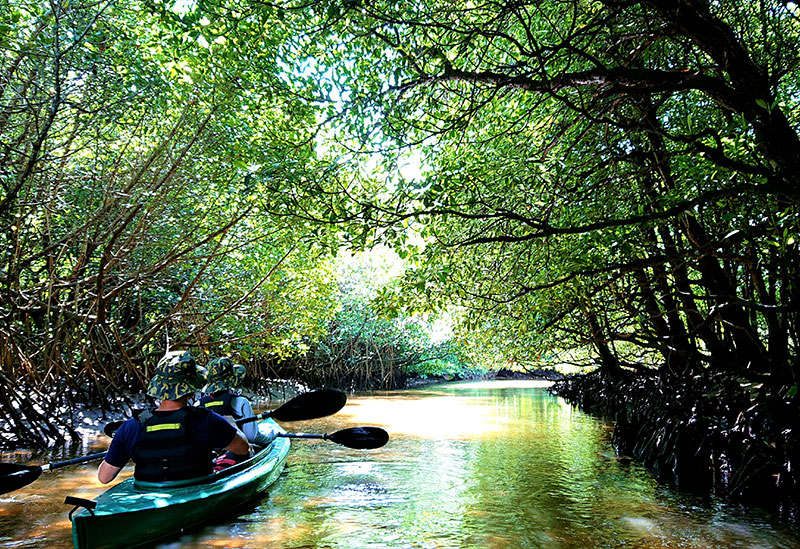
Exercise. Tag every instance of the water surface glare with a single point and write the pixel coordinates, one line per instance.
(483, 465)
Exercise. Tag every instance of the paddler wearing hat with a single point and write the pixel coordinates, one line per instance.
(223, 377)
(174, 441)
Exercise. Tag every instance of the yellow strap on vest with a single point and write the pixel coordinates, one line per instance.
(163, 427)
(213, 403)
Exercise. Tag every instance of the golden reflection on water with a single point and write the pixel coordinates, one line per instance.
(433, 417)
(315, 502)
(434, 414)
(279, 531)
(348, 527)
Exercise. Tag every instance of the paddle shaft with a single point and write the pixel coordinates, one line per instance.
(323, 436)
(16, 475)
(257, 417)
(73, 461)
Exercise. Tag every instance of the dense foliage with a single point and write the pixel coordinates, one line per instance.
(615, 175)
(131, 218)
(370, 347)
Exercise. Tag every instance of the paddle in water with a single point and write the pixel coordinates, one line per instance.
(362, 438)
(309, 405)
(14, 475)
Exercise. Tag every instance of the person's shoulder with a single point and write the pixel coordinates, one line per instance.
(134, 421)
(198, 414)
(204, 415)
(199, 411)
(130, 428)
(239, 399)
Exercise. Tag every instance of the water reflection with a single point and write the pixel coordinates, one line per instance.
(468, 465)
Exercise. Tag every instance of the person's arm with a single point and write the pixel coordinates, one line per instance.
(243, 409)
(237, 448)
(251, 429)
(107, 472)
(239, 445)
(219, 433)
(119, 451)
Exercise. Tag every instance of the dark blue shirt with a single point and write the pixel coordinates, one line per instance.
(211, 431)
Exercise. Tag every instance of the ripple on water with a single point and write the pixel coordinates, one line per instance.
(35, 541)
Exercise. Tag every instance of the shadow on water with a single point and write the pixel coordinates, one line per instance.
(500, 464)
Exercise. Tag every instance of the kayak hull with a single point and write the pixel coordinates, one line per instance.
(135, 513)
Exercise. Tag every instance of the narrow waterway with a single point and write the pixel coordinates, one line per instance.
(483, 465)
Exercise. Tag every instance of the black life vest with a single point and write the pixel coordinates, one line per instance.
(220, 403)
(166, 451)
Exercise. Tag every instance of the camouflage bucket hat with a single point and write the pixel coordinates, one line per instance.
(223, 374)
(176, 375)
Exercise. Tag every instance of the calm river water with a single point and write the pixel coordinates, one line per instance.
(469, 465)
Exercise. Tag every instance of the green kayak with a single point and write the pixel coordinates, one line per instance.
(134, 513)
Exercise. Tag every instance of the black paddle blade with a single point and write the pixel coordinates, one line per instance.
(362, 438)
(312, 405)
(14, 476)
(111, 428)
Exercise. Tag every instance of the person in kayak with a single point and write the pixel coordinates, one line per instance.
(174, 441)
(223, 377)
